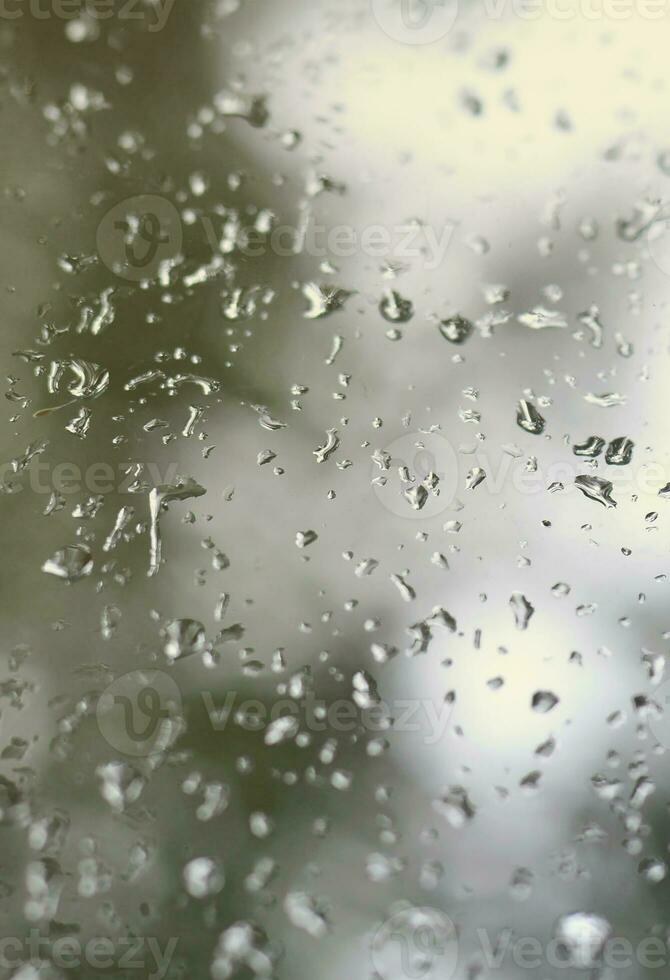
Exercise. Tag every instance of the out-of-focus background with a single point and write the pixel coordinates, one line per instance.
(339, 300)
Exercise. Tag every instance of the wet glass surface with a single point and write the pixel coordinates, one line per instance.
(334, 488)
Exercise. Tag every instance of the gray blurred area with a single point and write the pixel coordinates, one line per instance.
(513, 152)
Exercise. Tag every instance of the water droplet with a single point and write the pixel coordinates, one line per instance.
(653, 870)
(71, 563)
(160, 496)
(591, 448)
(456, 807)
(522, 610)
(543, 702)
(529, 418)
(583, 935)
(395, 308)
(323, 300)
(304, 912)
(281, 730)
(304, 538)
(203, 877)
(184, 638)
(455, 329)
(620, 451)
(595, 488)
